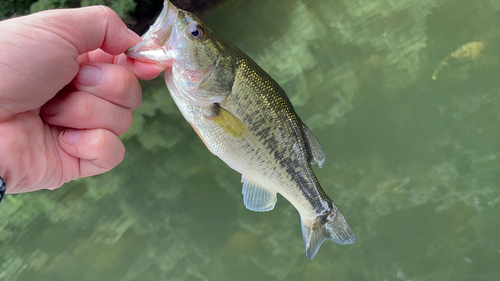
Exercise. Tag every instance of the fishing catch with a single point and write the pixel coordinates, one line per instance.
(245, 118)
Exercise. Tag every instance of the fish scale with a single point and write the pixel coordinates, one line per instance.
(271, 106)
(245, 118)
(269, 100)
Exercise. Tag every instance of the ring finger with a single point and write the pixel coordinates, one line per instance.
(82, 110)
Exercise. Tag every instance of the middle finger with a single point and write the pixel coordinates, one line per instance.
(113, 83)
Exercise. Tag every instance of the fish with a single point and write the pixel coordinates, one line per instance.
(472, 51)
(245, 118)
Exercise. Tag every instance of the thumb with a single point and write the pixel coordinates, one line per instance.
(88, 28)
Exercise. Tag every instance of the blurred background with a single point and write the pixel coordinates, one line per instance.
(404, 97)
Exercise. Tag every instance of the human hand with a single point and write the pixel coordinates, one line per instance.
(66, 94)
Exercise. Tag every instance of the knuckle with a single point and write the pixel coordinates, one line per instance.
(121, 81)
(136, 94)
(111, 150)
(106, 150)
(106, 16)
(83, 107)
(105, 11)
(126, 89)
(121, 154)
(101, 140)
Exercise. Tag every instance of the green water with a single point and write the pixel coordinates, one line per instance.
(413, 162)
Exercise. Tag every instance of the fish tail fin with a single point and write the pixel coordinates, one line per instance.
(329, 225)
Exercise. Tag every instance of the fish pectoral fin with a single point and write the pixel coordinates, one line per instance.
(256, 197)
(317, 153)
(331, 225)
(228, 122)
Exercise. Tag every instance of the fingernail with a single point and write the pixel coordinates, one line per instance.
(52, 107)
(89, 75)
(71, 136)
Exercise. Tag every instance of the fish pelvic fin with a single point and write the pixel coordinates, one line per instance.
(329, 225)
(257, 198)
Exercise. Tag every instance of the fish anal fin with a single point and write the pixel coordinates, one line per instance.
(228, 122)
(317, 153)
(330, 225)
(256, 197)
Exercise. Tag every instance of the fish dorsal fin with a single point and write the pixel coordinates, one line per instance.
(317, 153)
(228, 122)
(256, 197)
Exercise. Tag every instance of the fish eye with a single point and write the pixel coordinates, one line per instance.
(196, 32)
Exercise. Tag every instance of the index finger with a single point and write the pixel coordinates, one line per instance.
(143, 70)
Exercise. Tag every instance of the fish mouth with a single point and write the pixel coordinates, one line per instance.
(160, 41)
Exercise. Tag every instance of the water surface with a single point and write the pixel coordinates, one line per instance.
(412, 160)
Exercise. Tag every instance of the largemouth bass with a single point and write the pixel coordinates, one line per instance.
(245, 118)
